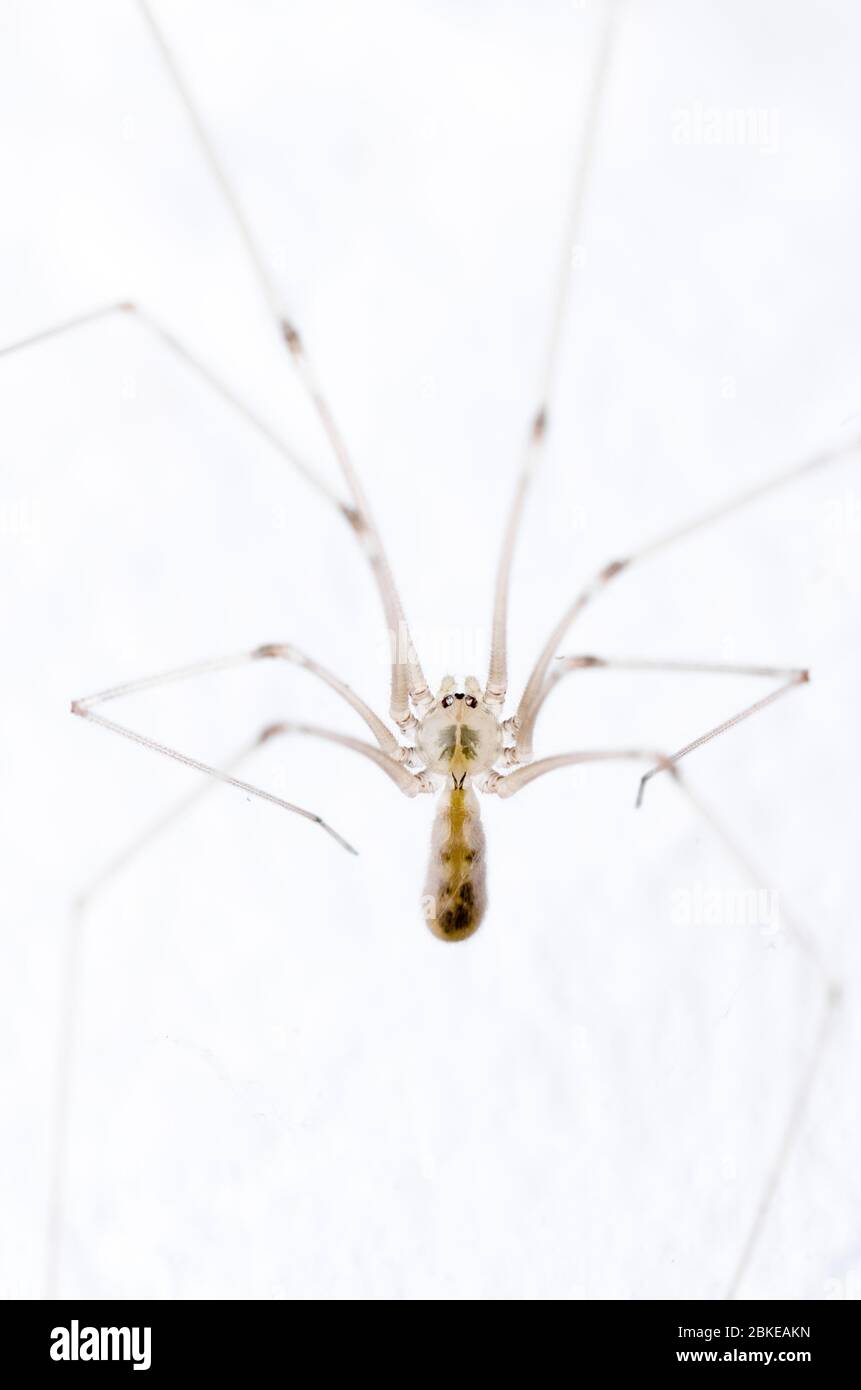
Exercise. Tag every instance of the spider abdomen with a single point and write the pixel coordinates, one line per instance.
(455, 891)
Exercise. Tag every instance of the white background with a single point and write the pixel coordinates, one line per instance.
(283, 1084)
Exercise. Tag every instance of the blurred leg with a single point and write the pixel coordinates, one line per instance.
(497, 676)
(408, 783)
(827, 986)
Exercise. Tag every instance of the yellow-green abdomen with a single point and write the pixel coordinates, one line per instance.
(455, 891)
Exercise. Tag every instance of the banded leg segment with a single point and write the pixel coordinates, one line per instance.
(374, 556)
(408, 681)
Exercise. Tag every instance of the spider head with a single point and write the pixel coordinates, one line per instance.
(459, 734)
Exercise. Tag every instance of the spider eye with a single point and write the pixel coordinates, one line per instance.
(446, 701)
(471, 701)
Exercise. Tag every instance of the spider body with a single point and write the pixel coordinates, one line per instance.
(459, 739)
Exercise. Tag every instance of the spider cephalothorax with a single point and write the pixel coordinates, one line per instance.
(460, 734)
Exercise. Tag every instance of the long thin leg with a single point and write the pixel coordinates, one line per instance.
(507, 784)
(829, 987)
(408, 680)
(497, 676)
(410, 783)
(399, 773)
(790, 677)
(792, 683)
(284, 651)
(114, 728)
(532, 694)
(281, 651)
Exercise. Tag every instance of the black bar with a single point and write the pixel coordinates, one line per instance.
(227, 1339)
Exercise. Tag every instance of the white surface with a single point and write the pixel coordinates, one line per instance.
(284, 1084)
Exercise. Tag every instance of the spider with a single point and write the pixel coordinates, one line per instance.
(463, 741)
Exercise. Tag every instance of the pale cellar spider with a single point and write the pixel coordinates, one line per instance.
(463, 738)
